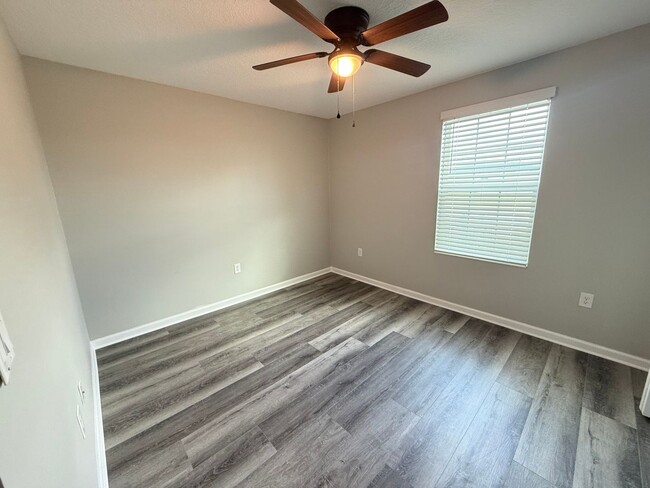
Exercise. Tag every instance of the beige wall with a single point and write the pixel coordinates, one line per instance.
(40, 443)
(592, 229)
(162, 190)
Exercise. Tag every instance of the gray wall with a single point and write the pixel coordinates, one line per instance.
(592, 230)
(162, 190)
(41, 445)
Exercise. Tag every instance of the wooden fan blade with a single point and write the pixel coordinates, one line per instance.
(334, 86)
(300, 14)
(397, 63)
(429, 14)
(294, 59)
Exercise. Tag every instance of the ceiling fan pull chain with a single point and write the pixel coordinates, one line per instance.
(338, 104)
(354, 124)
(338, 94)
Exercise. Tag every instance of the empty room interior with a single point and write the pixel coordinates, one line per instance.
(295, 244)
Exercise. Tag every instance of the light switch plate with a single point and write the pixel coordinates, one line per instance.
(7, 354)
(82, 392)
(80, 421)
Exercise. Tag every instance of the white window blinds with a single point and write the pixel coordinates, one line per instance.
(490, 167)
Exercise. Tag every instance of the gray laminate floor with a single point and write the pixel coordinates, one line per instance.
(335, 383)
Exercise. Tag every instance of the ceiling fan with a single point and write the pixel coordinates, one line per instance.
(347, 29)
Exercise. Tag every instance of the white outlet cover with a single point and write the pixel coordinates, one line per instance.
(586, 300)
(360, 251)
(237, 268)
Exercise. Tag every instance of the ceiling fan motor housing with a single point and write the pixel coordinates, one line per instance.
(348, 23)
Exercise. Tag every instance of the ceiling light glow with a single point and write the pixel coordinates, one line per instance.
(346, 64)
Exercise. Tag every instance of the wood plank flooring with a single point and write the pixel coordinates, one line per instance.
(335, 383)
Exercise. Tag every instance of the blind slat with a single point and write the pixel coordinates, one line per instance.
(490, 167)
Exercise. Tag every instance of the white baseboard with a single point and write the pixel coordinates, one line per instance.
(197, 312)
(100, 447)
(557, 338)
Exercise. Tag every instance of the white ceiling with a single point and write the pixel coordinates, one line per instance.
(210, 45)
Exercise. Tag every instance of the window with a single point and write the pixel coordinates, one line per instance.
(490, 167)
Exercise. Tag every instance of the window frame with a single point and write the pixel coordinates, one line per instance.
(485, 108)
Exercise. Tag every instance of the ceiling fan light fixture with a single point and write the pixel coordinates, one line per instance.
(345, 64)
(347, 29)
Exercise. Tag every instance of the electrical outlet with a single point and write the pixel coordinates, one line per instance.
(82, 392)
(586, 300)
(80, 421)
(237, 268)
(360, 252)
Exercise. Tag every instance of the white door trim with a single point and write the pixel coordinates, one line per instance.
(645, 399)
